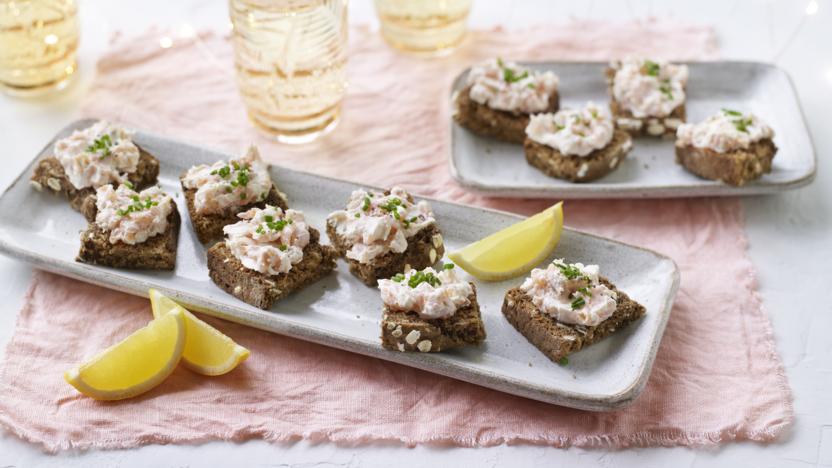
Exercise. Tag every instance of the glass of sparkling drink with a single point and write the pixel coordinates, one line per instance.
(290, 58)
(423, 27)
(38, 44)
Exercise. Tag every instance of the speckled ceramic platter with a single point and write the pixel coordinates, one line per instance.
(650, 170)
(341, 312)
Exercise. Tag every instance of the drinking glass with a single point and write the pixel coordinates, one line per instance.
(38, 44)
(423, 27)
(290, 59)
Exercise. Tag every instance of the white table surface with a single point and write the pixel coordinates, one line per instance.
(790, 236)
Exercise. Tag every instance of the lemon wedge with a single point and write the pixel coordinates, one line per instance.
(136, 364)
(207, 350)
(514, 250)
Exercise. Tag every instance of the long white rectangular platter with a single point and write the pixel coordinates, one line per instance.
(650, 171)
(341, 312)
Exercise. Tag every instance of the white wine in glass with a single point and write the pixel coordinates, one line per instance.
(290, 57)
(38, 45)
(423, 27)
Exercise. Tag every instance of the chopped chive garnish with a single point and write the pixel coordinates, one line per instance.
(732, 112)
(367, 204)
(223, 172)
(569, 271)
(448, 266)
(101, 146)
(651, 68)
(563, 361)
(421, 277)
(578, 302)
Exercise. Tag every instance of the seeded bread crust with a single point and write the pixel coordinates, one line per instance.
(417, 255)
(156, 253)
(49, 175)
(735, 167)
(208, 227)
(407, 331)
(644, 126)
(557, 340)
(576, 168)
(502, 125)
(262, 290)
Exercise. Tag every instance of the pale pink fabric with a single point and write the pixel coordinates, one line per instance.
(717, 375)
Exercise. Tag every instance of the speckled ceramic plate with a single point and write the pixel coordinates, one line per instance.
(341, 312)
(650, 170)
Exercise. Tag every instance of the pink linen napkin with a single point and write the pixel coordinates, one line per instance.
(717, 376)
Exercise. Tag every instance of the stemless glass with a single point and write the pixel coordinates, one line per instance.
(423, 27)
(290, 57)
(38, 44)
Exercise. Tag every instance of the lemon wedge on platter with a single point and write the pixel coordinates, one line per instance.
(515, 250)
(207, 350)
(136, 364)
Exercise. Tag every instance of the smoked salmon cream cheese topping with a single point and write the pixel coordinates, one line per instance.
(573, 132)
(268, 240)
(649, 88)
(374, 223)
(429, 293)
(101, 154)
(224, 185)
(509, 87)
(571, 293)
(129, 216)
(728, 130)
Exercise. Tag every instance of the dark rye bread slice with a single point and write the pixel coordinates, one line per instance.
(733, 167)
(262, 290)
(407, 331)
(156, 253)
(579, 168)
(557, 340)
(423, 250)
(208, 227)
(499, 124)
(50, 175)
(644, 126)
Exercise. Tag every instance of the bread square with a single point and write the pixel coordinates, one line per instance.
(499, 124)
(208, 227)
(156, 253)
(423, 250)
(579, 168)
(407, 331)
(49, 175)
(262, 290)
(736, 167)
(557, 340)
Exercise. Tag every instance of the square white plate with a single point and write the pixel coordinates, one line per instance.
(650, 171)
(341, 312)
